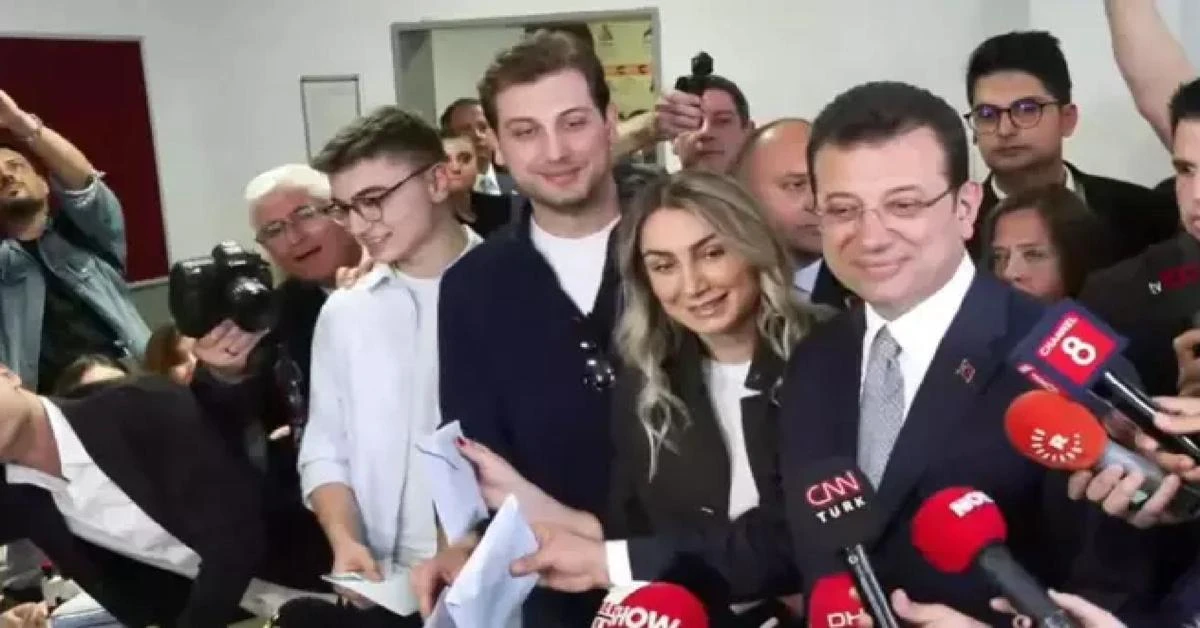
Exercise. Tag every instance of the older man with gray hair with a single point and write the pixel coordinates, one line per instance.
(288, 214)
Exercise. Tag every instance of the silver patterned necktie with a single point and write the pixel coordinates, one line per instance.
(881, 407)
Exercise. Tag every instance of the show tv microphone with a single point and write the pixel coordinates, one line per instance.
(838, 520)
(651, 605)
(960, 527)
(1058, 433)
(1070, 351)
(830, 604)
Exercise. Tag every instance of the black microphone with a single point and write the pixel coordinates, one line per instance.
(837, 521)
(1071, 351)
(960, 527)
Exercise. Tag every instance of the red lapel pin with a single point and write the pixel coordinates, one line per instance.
(966, 371)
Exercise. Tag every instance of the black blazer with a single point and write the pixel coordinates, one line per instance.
(1135, 217)
(953, 436)
(149, 436)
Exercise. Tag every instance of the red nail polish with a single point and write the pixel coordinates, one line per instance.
(460, 441)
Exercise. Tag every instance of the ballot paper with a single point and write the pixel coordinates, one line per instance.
(485, 593)
(451, 478)
(394, 592)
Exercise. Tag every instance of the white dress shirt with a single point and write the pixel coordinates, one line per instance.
(96, 510)
(373, 396)
(805, 280)
(918, 332)
(486, 182)
(1068, 181)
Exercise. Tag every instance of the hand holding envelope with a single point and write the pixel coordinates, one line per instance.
(486, 594)
(456, 496)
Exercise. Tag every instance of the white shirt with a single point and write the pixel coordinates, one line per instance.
(373, 396)
(578, 263)
(1068, 182)
(486, 182)
(726, 388)
(918, 332)
(96, 510)
(805, 280)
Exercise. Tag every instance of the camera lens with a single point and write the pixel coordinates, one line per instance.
(252, 304)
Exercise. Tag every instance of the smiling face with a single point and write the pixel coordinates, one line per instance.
(556, 142)
(893, 262)
(700, 281)
(311, 247)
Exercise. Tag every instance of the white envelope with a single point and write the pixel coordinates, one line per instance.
(451, 478)
(394, 592)
(486, 594)
(440, 617)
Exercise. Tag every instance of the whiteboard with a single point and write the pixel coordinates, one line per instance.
(329, 103)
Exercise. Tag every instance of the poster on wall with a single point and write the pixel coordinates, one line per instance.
(327, 103)
(626, 48)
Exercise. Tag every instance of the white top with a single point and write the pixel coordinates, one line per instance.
(726, 388)
(96, 510)
(577, 262)
(374, 395)
(1069, 182)
(486, 183)
(919, 331)
(805, 280)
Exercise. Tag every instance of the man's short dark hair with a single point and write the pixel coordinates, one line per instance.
(388, 131)
(1185, 104)
(452, 108)
(723, 84)
(1036, 53)
(539, 55)
(876, 112)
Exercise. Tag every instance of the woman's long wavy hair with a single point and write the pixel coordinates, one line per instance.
(646, 337)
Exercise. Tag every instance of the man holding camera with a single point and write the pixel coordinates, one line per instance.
(64, 292)
(288, 213)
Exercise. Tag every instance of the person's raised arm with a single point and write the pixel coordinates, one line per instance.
(66, 162)
(1151, 60)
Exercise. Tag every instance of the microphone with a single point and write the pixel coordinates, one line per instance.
(1070, 351)
(960, 527)
(651, 605)
(837, 520)
(1055, 432)
(830, 604)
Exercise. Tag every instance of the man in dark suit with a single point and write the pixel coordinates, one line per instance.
(773, 165)
(1019, 88)
(913, 385)
(134, 496)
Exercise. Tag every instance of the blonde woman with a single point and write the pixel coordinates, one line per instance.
(707, 323)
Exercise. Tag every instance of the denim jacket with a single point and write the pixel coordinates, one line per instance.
(95, 212)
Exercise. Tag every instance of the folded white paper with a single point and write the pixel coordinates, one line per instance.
(451, 478)
(394, 592)
(486, 594)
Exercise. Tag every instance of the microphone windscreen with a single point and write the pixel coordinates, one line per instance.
(954, 525)
(836, 510)
(830, 605)
(648, 605)
(1054, 431)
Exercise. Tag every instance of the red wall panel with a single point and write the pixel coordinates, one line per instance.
(94, 93)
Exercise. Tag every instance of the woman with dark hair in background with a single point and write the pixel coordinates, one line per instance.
(1043, 241)
(87, 370)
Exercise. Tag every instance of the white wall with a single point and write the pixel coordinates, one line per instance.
(224, 74)
(460, 56)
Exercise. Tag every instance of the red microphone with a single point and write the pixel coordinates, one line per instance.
(651, 605)
(1058, 433)
(960, 527)
(830, 605)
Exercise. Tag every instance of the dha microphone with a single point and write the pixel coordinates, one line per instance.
(651, 605)
(1058, 433)
(1070, 350)
(959, 527)
(830, 604)
(838, 520)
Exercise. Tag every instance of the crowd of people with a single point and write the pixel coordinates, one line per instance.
(648, 360)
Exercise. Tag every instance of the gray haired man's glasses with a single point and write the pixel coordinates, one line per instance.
(303, 218)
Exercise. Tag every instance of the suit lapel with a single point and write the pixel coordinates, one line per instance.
(702, 439)
(760, 420)
(829, 291)
(844, 375)
(963, 364)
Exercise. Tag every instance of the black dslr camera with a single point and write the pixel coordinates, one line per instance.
(702, 68)
(232, 283)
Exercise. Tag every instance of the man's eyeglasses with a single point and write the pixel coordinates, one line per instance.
(1024, 114)
(599, 374)
(303, 218)
(843, 212)
(370, 207)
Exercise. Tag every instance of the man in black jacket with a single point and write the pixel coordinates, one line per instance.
(133, 495)
(287, 209)
(1019, 89)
